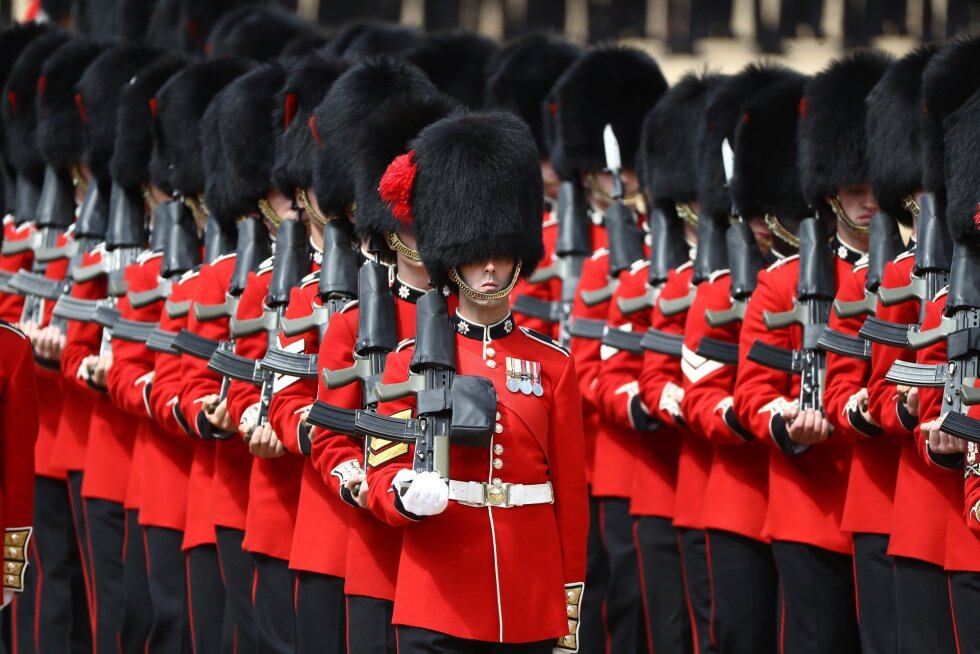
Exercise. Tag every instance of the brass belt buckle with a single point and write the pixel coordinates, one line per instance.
(497, 495)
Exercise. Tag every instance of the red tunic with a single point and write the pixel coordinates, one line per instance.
(806, 492)
(549, 290)
(517, 560)
(19, 409)
(12, 304)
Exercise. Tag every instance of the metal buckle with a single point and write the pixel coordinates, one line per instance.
(497, 495)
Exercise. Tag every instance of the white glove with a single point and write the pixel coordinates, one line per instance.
(427, 494)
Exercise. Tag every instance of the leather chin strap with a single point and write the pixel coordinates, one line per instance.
(469, 291)
(198, 207)
(398, 246)
(911, 206)
(842, 216)
(304, 202)
(268, 212)
(685, 213)
(151, 202)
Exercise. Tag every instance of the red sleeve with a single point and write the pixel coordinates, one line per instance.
(761, 390)
(930, 399)
(12, 304)
(131, 374)
(292, 395)
(846, 376)
(659, 370)
(333, 452)
(83, 339)
(708, 384)
(586, 352)
(164, 392)
(242, 395)
(19, 426)
(57, 269)
(549, 290)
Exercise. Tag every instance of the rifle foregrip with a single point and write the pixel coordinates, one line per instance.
(338, 378)
(396, 391)
(599, 295)
(856, 308)
(920, 339)
(892, 296)
(630, 305)
(779, 319)
(296, 326)
(725, 316)
(88, 273)
(677, 305)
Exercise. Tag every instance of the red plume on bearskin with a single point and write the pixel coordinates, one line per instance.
(396, 187)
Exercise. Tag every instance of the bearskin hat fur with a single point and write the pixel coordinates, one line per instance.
(307, 81)
(197, 19)
(963, 164)
(456, 62)
(610, 85)
(302, 45)
(164, 23)
(477, 192)
(722, 112)
(19, 109)
(98, 96)
(520, 74)
(181, 103)
(893, 133)
(222, 27)
(342, 37)
(262, 33)
(130, 163)
(382, 39)
(60, 121)
(133, 18)
(339, 120)
(248, 138)
(950, 78)
(766, 179)
(832, 118)
(668, 161)
(13, 41)
(387, 133)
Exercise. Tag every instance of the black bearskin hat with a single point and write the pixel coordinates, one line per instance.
(893, 135)
(247, 138)
(339, 120)
(98, 96)
(832, 118)
(381, 39)
(13, 41)
(610, 85)
(307, 81)
(456, 62)
(130, 163)
(181, 104)
(520, 74)
(963, 164)
(197, 19)
(133, 18)
(341, 38)
(471, 190)
(387, 133)
(722, 112)
(262, 33)
(667, 146)
(950, 78)
(19, 107)
(61, 123)
(164, 24)
(767, 179)
(302, 45)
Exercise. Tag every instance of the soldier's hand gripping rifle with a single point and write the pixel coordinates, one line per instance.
(885, 244)
(376, 337)
(290, 263)
(815, 292)
(460, 408)
(961, 329)
(933, 253)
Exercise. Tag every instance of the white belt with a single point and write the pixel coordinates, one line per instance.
(501, 496)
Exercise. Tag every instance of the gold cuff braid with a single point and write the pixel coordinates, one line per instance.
(15, 557)
(573, 605)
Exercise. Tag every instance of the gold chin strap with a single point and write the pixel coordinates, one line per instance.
(467, 290)
(78, 179)
(308, 207)
(844, 218)
(634, 200)
(197, 207)
(268, 213)
(772, 222)
(151, 201)
(685, 213)
(396, 244)
(911, 206)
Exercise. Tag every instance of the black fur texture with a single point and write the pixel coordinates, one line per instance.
(263, 33)
(13, 41)
(608, 85)
(520, 74)
(456, 62)
(477, 193)
(339, 120)
(382, 39)
(831, 131)
(963, 163)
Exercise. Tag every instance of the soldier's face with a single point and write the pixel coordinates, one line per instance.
(858, 202)
(550, 179)
(488, 276)
(763, 237)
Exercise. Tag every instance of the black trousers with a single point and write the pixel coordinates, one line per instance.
(697, 588)
(238, 573)
(925, 623)
(369, 628)
(874, 576)
(137, 605)
(964, 591)
(210, 622)
(170, 633)
(106, 527)
(818, 609)
(667, 627)
(623, 602)
(746, 593)
(275, 619)
(320, 613)
(81, 536)
(54, 615)
(413, 640)
(592, 633)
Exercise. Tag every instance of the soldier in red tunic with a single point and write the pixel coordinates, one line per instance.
(514, 513)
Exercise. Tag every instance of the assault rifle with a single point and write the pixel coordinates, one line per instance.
(815, 292)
